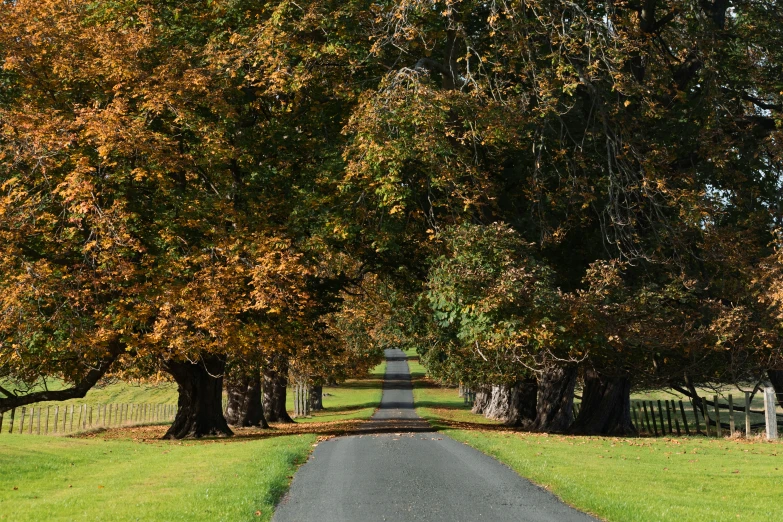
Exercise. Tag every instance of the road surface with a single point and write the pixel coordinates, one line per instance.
(398, 470)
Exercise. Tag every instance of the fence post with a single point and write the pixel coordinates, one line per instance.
(718, 427)
(669, 418)
(13, 414)
(684, 419)
(21, 424)
(770, 416)
(747, 414)
(731, 416)
(676, 421)
(646, 418)
(47, 420)
(706, 413)
(1, 422)
(652, 414)
(56, 417)
(696, 414)
(72, 408)
(660, 415)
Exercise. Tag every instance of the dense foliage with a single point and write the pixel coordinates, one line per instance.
(528, 192)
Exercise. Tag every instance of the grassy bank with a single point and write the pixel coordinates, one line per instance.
(58, 478)
(624, 479)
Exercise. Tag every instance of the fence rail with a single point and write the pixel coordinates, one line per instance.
(57, 420)
(661, 418)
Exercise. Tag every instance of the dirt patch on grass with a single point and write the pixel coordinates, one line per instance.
(149, 434)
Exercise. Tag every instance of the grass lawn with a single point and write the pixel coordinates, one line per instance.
(355, 399)
(129, 474)
(624, 479)
(59, 478)
(646, 479)
(351, 400)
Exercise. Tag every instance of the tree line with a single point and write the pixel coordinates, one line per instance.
(536, 195)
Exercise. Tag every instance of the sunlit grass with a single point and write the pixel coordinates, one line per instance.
(624, 479)
(354, 399)
(128, 474)
(633, 479)
(57, 478)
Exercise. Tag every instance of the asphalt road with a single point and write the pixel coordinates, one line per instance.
(399, 471)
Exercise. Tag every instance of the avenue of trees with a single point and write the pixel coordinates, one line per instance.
(539, 196)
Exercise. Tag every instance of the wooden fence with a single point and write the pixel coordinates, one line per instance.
(58, 420)
(669, 417)
(302, 399)
(710, 418)
(467, 394)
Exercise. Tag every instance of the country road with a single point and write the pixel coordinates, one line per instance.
(400, 471)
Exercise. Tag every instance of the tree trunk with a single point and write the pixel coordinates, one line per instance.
(200, 408)
(555, 401)
(481, 401)
(515, 405)
(776, 378)
(244, 407)
(522, 403)
(606, 406)
(275, 382)
(317, 398)
(497, 409)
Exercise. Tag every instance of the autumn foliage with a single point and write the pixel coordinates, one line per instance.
(533, 194)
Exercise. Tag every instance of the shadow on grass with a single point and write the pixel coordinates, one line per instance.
(359, 385)
(346, 409)
(442, 406)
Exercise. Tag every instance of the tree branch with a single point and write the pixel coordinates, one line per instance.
(81, 388)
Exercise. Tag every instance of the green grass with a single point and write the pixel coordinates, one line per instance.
(130, 475)
(354, 399)
(646, 479)
(411, 352)
(56, 478)
(122, 393)
(440, 406)
(624, 479)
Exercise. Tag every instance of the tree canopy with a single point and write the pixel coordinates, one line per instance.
(531, 193)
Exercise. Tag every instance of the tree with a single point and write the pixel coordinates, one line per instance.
(138, 146)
